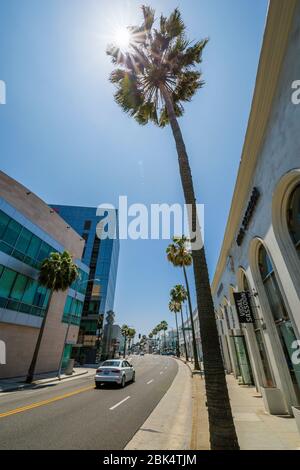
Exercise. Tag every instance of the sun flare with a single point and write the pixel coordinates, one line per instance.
(122, 38)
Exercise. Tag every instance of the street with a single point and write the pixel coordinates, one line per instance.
(74, 415)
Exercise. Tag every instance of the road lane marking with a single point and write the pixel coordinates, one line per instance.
(161, 372)
(120, 403)
(150, 381)
(44, 402)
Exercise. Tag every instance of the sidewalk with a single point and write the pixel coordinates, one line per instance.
(18, 383)
(256, 429)
(169, 425)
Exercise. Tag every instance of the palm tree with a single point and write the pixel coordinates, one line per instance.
(179, 294)
(154, 78)
(179, 255)
(125, 332)
(164, 327)
(175, 308)
(154, 332)
(57, 273)
(131, 335)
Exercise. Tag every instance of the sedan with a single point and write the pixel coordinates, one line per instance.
(115, 371)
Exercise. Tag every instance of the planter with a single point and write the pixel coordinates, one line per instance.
(296, 413)
(274, 401)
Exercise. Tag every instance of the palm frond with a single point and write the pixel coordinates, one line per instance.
(158, 60)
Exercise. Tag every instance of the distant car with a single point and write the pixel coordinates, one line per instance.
(114, 371)
(142, 353)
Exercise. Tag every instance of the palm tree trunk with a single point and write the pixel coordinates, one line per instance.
(31, 370)
(195, 352)
(222, 430)
(124, 353)
(177, 348)
(184, 339)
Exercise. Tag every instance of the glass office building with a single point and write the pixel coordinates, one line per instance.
(102, 258)
(29, 232)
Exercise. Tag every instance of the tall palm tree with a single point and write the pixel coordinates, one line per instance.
(179, 295)
(154, 77)
(57, 273)
(125, 333)
(179, 255)
(131, 335)
(164, 327)
(174, 307)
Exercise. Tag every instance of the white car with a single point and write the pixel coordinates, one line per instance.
(115, 371)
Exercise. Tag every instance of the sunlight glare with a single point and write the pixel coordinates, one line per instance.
(122, 38)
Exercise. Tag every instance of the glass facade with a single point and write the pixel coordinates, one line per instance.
(22, 293)
(102, 258)
(20, 243)
(293, 217)
(280, 315)
(268, 380)
(72, 310)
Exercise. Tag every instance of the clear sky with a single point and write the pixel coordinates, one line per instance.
(62, 135)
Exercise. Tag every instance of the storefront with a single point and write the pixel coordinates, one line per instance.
(260, 255)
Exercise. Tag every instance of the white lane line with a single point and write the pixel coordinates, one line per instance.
(150, 381)
(161, 372)
(120, 403)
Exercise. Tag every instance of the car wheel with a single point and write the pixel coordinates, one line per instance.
(123, 383)
(133, 377)
(97, 384)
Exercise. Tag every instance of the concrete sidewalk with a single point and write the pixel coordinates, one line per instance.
(18, 383)
(169, 425)
(256, 429)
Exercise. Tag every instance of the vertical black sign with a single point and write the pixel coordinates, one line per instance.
(243, 307)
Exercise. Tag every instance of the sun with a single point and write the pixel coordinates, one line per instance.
(122, 38)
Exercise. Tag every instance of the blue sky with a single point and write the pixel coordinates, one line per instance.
(62, 135)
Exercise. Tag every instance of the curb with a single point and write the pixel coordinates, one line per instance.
(200, 426)
(169, 425)
(15, 388)
(185, 363)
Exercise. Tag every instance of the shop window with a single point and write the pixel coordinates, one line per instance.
(280, 315)
(293, 217)
(268, 380)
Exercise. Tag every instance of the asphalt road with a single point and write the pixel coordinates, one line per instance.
(74, 415)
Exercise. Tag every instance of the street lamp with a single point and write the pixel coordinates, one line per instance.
(69, 324)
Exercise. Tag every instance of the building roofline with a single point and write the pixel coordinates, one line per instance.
(275, 40)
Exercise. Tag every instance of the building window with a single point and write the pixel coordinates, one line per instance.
(22, 244)
(87, 225)
(21, 293)
(72, 311)
(293, 217)
(280, 315)
(268, 380)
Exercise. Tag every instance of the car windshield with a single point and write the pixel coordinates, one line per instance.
(111, 364)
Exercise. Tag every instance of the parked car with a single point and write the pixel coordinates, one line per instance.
(142, 353)
(114, 371)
